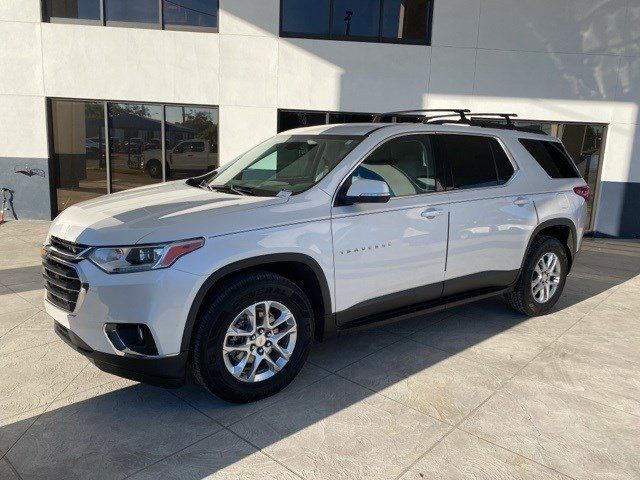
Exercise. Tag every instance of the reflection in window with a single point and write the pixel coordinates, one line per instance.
(191, 135)
(356, 18)
(306, 17)
(136, 146)
(403, 21)
(78, 9)
(406, 19)
(195, 13)
(78, 151)
(136, 11)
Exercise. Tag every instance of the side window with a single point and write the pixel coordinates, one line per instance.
(551, 157)
(407, 164)
(471, 160)
(504, 167)
(198, 147)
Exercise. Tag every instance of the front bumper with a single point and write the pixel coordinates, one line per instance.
(167, 371)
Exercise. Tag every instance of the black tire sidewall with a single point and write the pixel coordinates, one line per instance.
(217, 320)
(549, 245)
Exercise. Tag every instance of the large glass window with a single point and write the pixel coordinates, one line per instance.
(305, 17)
(397, 21)
(79, 161)
(406, 19)
(191, 138)
(135, 11)
(135, 130)
(355, 19)
(167, 14)
(82, 165)
(406, 164)
(190, 13)
(81, 10)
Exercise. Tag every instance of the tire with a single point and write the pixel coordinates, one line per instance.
(522, 298)
(154, 169)
(210, 365)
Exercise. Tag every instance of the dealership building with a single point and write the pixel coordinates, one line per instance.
(98, 96)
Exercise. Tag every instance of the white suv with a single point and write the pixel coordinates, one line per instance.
(317, 230)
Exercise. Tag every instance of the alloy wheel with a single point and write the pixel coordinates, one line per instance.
(545, 277)
(260, 341)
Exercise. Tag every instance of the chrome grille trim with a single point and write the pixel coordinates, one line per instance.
(62, 278)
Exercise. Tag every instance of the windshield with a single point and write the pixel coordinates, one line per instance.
(285, 162)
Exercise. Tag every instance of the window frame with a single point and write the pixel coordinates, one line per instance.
(105, 104)
(375, 39)
(440, 166)
(448, 169)
(103, 22)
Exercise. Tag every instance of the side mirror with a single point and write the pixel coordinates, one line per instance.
(367, 191)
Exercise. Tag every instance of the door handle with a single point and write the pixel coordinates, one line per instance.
(521, 201)
(431, 213)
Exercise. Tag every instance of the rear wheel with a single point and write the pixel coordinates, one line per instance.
(154, 168)
(542, 278)
(252, 338)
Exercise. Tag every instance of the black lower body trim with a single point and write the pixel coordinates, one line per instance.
(162, 372)
(401, 305)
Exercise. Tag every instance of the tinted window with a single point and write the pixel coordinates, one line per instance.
(185, 123)
(350, 117)
(407, 164)
(79, 9)
(471, 160)
(198, 13)
(504, 167)
(405, 19)
(138, 11)
(551, 157)
(288, 120)
(310, 17)
(78, 151)
(136, 159)
(356, 18)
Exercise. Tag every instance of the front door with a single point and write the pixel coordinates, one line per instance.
(391, 255)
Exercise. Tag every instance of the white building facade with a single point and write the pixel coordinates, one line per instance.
(93, 92)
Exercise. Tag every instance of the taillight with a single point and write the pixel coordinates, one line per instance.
(583, 191)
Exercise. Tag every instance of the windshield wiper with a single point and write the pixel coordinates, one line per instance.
(230, 189)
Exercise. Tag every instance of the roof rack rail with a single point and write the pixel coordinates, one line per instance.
(506, 116)
(420, 113)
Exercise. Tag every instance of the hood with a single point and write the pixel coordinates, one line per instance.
(171, 211)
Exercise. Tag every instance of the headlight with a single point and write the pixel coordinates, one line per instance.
(143, 257)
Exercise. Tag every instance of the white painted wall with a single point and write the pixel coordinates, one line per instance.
(565, 60)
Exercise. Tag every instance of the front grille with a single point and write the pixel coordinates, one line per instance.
(67, 248)
(61, 282)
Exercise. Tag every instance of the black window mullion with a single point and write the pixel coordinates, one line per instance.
(380, 21)
(330, 19)
(161, 20)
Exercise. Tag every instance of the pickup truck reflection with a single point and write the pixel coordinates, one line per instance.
(194, 156)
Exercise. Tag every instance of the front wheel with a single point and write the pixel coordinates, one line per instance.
(542, 278)
(252, 338)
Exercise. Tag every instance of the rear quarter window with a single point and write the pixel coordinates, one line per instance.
(551, 157)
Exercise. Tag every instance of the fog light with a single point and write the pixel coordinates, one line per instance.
(131, 338)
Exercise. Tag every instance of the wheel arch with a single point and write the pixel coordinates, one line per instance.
(297, 267)
(561, 228)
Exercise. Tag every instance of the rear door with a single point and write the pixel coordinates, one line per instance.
(391, 255)
(489, 225)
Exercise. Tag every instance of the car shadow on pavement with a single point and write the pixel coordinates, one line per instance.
(383, 395)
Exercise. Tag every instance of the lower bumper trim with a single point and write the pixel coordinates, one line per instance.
(163, 372)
